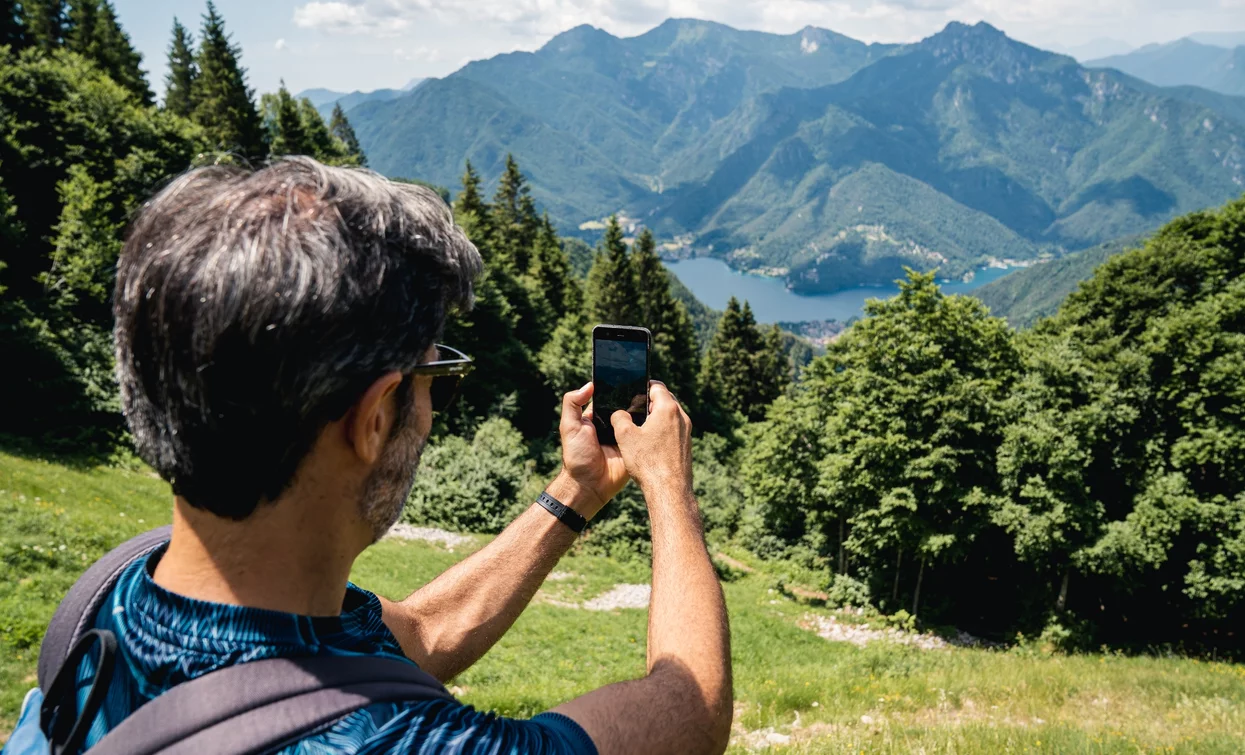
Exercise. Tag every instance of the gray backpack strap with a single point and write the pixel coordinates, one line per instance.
(262, 706)
(76, 613)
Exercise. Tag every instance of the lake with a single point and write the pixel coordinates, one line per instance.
(714, 282)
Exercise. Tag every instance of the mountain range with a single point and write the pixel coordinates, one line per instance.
(325, 99)
(1183, 62)
(820, 158)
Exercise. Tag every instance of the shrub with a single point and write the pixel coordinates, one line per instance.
(472, 486)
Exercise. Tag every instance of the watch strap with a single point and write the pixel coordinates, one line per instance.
(563, 513)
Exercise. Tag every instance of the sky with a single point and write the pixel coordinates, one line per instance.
(369, 44)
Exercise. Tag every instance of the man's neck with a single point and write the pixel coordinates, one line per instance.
(287, 556)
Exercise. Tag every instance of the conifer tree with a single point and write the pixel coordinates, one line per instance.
(180, 81)
(744, 370)
(772, 369)
(612, 293)
(93, 32)
(676, 357)
(323, 145)
(223, 103)
(284, 124)
(45, 23)
(472, 213)
(340, 127)
(515, 223)
(12, 29)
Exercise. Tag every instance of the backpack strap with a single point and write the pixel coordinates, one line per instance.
(76, 613)
(261, 706)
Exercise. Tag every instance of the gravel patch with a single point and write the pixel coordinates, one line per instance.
(862, 634)
(620, 596)
(450, 540)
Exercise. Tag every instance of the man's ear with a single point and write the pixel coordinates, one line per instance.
(372, 418)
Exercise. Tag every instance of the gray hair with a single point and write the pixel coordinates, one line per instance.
(252, 308)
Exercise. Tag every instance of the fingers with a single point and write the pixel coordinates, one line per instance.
(660, 396)
(572, 414)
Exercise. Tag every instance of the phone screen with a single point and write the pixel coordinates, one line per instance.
(620, 378)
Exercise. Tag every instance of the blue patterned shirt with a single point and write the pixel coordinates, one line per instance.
(165, 639)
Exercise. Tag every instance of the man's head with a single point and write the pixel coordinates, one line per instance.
(256, 309)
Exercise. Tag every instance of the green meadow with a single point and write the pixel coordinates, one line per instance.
(795, 691)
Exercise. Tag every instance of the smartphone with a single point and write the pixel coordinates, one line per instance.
(620, 358)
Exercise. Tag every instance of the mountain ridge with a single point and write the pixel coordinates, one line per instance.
(1184, 62)
(964, 147)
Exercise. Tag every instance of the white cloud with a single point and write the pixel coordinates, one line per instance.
(420, 54)
(280, 45)
(373, 18)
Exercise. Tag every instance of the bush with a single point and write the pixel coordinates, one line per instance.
(472, 486)
(843, 591)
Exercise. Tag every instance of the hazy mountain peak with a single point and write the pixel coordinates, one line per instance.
(984, 46)
(577, 38)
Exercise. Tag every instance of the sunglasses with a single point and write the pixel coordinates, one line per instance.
(447, 373)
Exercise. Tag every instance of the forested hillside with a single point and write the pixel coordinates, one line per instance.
(822, 159)
(1029, 294)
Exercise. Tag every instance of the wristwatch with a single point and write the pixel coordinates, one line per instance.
(563, 513)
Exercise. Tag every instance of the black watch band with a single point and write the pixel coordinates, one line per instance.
(563, 513)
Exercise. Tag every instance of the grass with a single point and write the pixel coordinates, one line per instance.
(793, 689)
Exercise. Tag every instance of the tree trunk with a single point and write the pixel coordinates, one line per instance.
(1063, 591)
(842, 550)
(916, 596)
(895, 589)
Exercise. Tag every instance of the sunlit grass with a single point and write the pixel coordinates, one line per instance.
(794, 690)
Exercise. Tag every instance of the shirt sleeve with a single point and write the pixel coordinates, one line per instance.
(444, 728)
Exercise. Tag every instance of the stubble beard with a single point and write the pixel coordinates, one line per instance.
(389, 485)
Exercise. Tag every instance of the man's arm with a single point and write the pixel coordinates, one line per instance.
(451, 622)
(684, 704)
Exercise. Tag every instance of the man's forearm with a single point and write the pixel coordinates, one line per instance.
(451, 622)
(688, 635)
(684, 704)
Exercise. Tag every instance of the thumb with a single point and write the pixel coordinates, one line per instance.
(572, 414)
(622, 422)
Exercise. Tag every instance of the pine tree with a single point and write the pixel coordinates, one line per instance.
(45, 23)
(93, 32)
(676, 356)
(223, 103)
(180, 81)
(551, 280)
(340, 127)
(284, 124)
(773, 372)
(515, 223)
(321, 144)
(744, 370)
(10, 230)
(473, 213)
(612, 292)
(12, 30)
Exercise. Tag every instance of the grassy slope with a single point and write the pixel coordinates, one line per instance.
(829, 697)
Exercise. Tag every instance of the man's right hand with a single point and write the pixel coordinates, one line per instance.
(657, 454)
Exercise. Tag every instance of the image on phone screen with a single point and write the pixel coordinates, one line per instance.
(620, 375)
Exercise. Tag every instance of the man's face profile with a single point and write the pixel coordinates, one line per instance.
(389, 483)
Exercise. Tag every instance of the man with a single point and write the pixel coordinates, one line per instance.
(275, 335)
